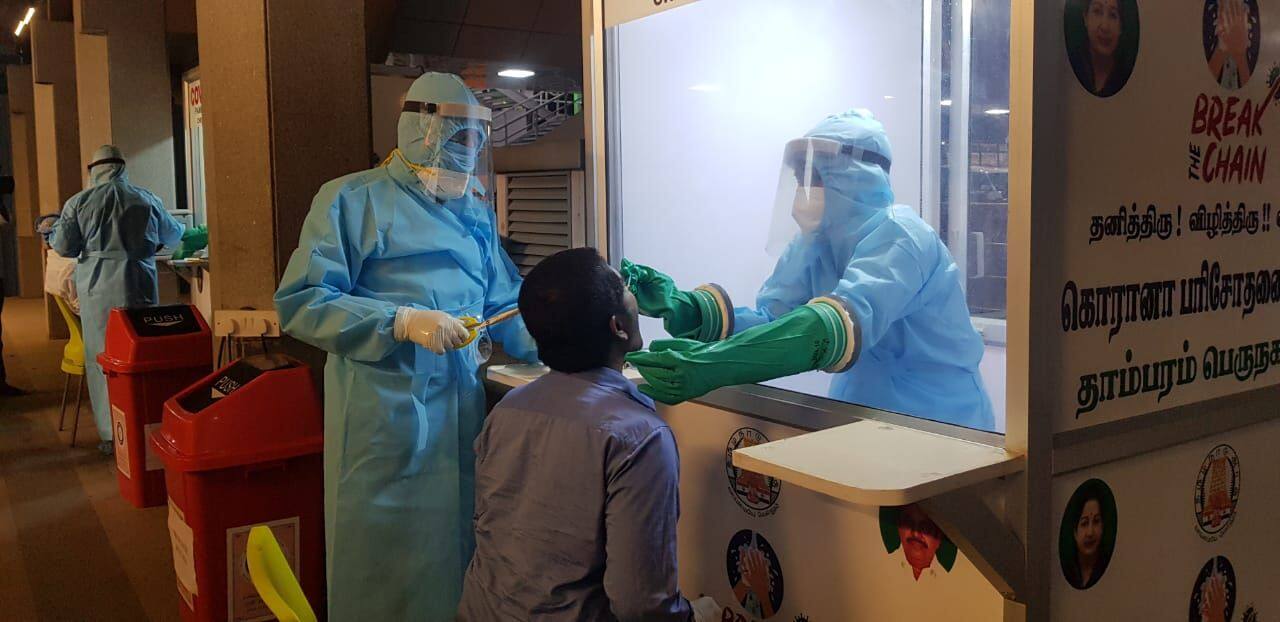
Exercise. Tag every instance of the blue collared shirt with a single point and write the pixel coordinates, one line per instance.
(577, 497)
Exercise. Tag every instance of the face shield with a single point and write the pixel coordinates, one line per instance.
(456, 143)
(799, 206)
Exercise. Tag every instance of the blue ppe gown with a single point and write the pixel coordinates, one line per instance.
(919, 350)
(114, 229)
(400, 421)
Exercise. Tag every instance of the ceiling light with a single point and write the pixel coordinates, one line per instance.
(705, 88)
(516, 73)
(31, 11)
(888, 97)
(946, 102)
(996, 111)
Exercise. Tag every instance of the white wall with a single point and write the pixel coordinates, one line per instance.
(1158, 545)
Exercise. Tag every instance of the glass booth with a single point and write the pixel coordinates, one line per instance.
(701, 101)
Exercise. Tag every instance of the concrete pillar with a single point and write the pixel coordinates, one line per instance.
(386, 98)
(26, 192)
(286, 108)
(57, 135)
(57, 121)
(123, 89)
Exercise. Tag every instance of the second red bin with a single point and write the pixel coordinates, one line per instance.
(243, 447)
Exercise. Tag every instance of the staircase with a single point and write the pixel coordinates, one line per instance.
(522, 117)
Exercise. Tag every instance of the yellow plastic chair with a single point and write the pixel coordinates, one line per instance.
(274, 580)
(72, 365)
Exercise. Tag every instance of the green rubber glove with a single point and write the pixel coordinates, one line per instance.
(193, 239)
(690, 314)
(814, 336)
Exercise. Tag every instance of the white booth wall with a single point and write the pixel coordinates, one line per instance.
(705, 99)
(831, 558)
(710, 93)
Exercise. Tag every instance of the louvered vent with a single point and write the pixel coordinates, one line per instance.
(539, 216)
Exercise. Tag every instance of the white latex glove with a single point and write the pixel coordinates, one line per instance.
(705, 609)
(434, 330)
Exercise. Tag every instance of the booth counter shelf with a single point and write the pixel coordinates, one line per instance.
(191, 269)
(860, 461)
(875, 463)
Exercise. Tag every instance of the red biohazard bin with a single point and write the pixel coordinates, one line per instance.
(243, 447)
(150, 355)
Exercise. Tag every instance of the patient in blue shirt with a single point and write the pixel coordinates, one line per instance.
(577, 479)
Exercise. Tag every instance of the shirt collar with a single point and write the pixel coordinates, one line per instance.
(613, 379)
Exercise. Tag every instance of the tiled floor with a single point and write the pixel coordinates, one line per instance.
(70, 547)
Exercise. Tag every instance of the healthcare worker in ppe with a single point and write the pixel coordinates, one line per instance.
(114, 229)
(389, 263)
(863, 289)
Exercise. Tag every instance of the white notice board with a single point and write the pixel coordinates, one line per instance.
(1169, 280)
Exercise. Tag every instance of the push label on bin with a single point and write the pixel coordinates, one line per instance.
(234, 378)
(163, 321)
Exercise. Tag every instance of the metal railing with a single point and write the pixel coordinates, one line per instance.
(527, 120)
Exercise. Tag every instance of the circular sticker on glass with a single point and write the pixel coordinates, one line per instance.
(756, 494)
(755, 574)
(1217, 492)
(1214, 594)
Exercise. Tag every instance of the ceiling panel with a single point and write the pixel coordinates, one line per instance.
(441, 10)
(539, 33)
(490, 43)
(513, 14)
(560, 17)
(553, 50)
(437, 38)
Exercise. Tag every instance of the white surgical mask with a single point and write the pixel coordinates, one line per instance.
(809, 205)
(444, 184)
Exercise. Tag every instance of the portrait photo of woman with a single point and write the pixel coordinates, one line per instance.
(1102, 43)
(1088, 535)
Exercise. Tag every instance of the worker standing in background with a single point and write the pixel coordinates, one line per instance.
(114, 229)
(389, 262)
(863, 289)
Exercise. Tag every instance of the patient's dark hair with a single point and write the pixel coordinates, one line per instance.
(567, 301)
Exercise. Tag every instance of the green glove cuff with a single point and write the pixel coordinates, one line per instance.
(846, 333)
(716, 310)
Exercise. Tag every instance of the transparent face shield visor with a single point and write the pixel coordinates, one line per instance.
(800, 203)
(459, 156)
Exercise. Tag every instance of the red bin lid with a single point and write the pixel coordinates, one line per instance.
(258, 409)
(156, 338)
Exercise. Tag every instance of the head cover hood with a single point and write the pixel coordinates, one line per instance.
(106, 164)
(833, 179)
(443, 136)
(861, 183)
